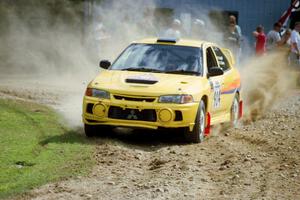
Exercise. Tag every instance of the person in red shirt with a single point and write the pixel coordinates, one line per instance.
(261, 39)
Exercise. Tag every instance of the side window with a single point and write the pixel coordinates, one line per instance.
(223, 62)
(210, 58)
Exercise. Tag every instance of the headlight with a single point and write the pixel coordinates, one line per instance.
(180, 99)
(102, 94)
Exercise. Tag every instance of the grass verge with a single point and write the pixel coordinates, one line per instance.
(35, 148)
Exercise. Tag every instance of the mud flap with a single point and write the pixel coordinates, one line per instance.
(240, 109)
(207, 128)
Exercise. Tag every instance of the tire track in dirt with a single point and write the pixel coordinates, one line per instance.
(252, 162)
(275, 168)
(242, 167)
(257, 161)
(165, 171)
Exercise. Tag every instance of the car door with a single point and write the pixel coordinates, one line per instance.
(230, 82)
(215, 83)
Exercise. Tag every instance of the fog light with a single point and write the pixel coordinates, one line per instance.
(99, 110)
(165, 115)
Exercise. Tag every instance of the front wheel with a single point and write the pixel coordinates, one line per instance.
(235, 109)
(90, 130)
(93, 130)
(197, 135)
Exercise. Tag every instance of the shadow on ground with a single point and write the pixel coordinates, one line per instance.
(147, 140)
(69, 136)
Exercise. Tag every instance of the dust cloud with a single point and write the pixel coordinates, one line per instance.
(265, 80)
(43, 57)
(49, 54)
(44, 51)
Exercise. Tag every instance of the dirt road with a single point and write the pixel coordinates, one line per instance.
(259, 160)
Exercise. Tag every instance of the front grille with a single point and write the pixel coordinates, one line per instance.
(132, 114)
(146, 99)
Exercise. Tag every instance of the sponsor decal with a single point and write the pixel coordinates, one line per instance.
(217, 94)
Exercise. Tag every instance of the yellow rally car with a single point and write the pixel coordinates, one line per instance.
(165, 83)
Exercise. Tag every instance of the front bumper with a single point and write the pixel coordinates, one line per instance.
(133, 113)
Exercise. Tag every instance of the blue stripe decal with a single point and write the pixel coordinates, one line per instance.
(231, 91)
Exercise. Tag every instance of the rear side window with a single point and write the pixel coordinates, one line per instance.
(222, 60)
(210, 58)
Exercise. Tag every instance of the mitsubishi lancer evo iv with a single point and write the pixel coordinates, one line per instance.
(165, 83)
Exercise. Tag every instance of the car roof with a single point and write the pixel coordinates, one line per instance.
(178, 42)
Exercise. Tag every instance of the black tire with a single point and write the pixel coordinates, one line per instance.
(93, 130)
(90, 130)
(197, 135)
(234, 111)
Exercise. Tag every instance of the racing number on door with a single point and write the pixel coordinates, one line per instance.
(217, 94)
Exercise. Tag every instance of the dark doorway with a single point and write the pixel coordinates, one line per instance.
(220, 18)
(163, 17)
(295, 17)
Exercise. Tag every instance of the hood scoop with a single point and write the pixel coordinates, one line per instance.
(142, 79)
(150, 82)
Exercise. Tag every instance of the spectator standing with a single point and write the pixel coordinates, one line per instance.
(286, 47)
(198, 30)
(260, 46)
(295, 46)
(274, 39)
(174, 31)
(232, 20)
(233, 37)
(287, 38)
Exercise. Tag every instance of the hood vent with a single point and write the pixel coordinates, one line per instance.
(141, 81)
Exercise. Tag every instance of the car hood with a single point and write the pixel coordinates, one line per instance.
(147, 84)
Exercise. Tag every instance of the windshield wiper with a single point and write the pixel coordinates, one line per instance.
(141, 69)
(183, 72)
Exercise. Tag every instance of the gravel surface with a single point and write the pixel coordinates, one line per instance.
(258, 160)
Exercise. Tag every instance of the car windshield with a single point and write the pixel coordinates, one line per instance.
(160, 59)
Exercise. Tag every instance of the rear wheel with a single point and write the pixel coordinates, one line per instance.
(197, 135)
(235, 109)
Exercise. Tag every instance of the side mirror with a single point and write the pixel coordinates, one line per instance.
(215, 71)
(105, 64)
